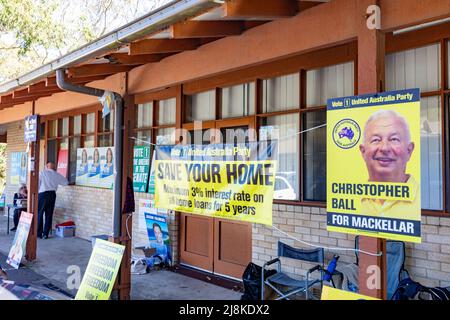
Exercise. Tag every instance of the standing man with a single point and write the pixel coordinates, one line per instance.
(49, 180)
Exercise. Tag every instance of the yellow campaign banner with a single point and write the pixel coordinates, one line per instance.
(230, 181)
(101, 271)
(373, 165)
(329, 293)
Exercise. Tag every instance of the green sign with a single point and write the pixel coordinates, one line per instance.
(141, 166)
(151, 183)
(101, 271)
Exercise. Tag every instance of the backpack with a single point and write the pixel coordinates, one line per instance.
(407, 290)
(436, 293)
(411, 290)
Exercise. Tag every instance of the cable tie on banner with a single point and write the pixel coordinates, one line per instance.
(303, 131)
(379, 254)
(144, 141)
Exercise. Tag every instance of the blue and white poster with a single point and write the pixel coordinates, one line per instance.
(156, 223)
(95, 167)
(18, 168)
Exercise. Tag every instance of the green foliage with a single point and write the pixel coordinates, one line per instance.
(32, 23)
(35, 32)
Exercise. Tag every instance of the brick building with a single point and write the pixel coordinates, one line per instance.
(246, 64)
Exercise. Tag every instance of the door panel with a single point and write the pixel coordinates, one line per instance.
(196, 241)
(218, 245)
(232, 247)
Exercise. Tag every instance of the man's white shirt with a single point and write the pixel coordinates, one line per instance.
(49, 180)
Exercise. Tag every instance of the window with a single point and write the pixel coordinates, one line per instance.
(415, 68)
(74, 144)
(321, 85)
(144, 115)
(166, 111)
(144, 119)
(165, 136)
(421, 68)
(76, 131)
(314, 156)
(155, 123)
(448, 65)
(285, 128)
(77, 124)
(281, 93)
(201, 106)
(330, 82)
(431, 153)
(90, 123)
(53, 128)
(105, 129)
(238, 101)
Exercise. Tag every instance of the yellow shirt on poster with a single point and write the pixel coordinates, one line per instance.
(392, 208)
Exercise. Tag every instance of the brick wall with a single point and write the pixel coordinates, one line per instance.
(90, 208)
(428, 262)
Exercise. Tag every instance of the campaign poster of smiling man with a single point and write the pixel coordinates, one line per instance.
(373, 165)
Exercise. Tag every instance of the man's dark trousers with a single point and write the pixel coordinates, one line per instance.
(46, 203)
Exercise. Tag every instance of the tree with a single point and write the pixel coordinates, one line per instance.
(35, 32)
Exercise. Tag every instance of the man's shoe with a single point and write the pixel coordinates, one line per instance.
(44, 237)
(13, 229)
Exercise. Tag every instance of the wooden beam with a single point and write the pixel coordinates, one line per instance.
(150, 46)
(51, 81)
(371, 79)
(97, 70)
(267, 9)
(205, 29)
(418, 38)
(38, 87)
(126, 59)
(8, 101)
(306, 4)
(25, 93)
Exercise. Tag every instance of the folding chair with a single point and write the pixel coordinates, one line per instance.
(395, 264)
(294, 285)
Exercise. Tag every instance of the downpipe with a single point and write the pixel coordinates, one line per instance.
(118, 140)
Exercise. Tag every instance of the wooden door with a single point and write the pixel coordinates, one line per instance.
(196, 241)
(233, 239)
(216, 245)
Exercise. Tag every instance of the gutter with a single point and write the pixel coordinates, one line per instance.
(154, 21)
(118, 141)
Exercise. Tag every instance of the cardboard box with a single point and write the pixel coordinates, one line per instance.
(148, 252)
(65, 231)
(100, 236)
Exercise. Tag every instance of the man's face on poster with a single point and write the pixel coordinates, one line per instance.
(387, 148)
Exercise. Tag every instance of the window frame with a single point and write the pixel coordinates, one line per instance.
(418, 39)
(96, 109)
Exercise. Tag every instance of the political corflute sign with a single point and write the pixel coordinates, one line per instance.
(20, 240)
(221, 180)
(373, 165)
(101, 271)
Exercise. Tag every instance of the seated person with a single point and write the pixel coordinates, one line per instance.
(21, 194)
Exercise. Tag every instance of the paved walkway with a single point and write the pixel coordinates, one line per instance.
(58, 257)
